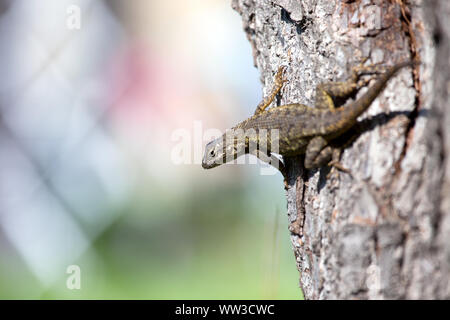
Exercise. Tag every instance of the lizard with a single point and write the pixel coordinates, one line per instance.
(302, 130)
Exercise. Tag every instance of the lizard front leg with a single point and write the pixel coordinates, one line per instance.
(278, 85)
(270, 159)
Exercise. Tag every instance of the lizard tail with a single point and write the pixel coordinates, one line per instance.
(356, 108)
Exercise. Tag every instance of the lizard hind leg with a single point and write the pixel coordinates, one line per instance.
(319, 153)
(278, 85)
(335, 163)
(325, 92)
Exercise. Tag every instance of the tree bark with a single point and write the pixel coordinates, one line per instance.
(384, 232)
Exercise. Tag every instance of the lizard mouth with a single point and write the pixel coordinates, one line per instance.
(210, 165)
(205, 165)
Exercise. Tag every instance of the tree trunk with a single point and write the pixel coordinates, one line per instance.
(384, 231)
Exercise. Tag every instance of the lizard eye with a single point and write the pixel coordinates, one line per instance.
(212, 153)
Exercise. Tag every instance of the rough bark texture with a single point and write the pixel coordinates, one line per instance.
(385, 233)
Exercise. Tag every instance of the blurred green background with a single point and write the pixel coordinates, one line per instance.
(91, 118)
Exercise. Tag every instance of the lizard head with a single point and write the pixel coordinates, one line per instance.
(218, 152)
(214, 154)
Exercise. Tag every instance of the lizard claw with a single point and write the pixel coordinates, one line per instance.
(279, 77)
(336, 165)
(363, 82)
